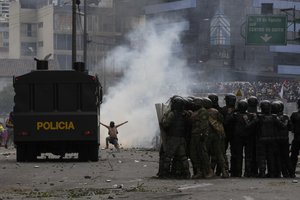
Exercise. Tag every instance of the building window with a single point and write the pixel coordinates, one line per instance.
(63, 41)
(28, 49)
(5, 35)
(40, 24)
(62, 22)
(40, 44)
(28, 30)
(64, 61)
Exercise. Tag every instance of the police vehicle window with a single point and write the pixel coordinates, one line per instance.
(67, 97)
(88, 98)
(43, 98)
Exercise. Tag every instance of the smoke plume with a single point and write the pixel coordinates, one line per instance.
(153, 73)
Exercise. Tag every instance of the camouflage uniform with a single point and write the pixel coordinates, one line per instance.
(198, 152)
(215, 133)
(214, 142)
(215, 104)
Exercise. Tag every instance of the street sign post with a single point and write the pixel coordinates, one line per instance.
(266, 30)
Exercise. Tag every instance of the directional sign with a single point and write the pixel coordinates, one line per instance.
(266, 30)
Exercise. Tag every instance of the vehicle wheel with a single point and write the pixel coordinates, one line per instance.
(30, 153)
(83, 154)
(21, 152)
(93, 152)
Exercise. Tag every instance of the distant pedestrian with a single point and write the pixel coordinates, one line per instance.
(3, 136)
(10, 130)
(112, 134)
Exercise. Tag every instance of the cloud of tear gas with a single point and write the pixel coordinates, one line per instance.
(152, 74)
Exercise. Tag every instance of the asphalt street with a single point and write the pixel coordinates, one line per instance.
(128, 174)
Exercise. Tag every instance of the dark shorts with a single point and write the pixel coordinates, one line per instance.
(112, 140)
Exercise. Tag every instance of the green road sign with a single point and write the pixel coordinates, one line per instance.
(266, 30)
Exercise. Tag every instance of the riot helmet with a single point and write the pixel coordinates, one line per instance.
(189, 103)
(252, 101)
(207, 103)
(275, 107)
(198, 103)
(177, 103)
(281, 108)
(214, 99)
(265, 106)
(242, 106)
(230, 100)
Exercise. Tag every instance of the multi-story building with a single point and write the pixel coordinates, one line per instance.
(4, 7)
(4, 34)
(213, 37)
(40, 28)
(286, 58)
(193, 15)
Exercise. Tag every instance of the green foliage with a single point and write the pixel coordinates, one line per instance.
(6, 99)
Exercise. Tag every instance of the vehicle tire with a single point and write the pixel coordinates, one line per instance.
(83, 154)
(31, 153)
(21, 153)
(94, 152)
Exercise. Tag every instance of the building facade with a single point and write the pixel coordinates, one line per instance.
(42, 28)
(213, 39)
(4, 30)
(216, 35)
(286, 57)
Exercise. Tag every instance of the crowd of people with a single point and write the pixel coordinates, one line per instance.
(288, 90)
(200, 130)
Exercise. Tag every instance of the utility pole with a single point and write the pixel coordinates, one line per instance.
(85, 33)
(294, 20)
(74, 32)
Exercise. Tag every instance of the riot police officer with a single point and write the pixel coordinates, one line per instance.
(215, 104)
(215, 136)
(252, 132)
(282, 139)
(199, 134)
(240, 140)
(174, 122)
(215, 101)
(268, 124)
(295, 120)
(227, 111)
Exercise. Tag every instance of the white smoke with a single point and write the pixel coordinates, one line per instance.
(152, 74)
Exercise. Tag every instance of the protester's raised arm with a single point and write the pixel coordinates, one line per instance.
(121, 124)
(104, 125)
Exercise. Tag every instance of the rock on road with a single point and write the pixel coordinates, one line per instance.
(129, 174)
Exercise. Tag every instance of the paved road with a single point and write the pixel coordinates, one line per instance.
(129, 174)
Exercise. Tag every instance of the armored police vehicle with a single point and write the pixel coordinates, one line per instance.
(56, 112)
